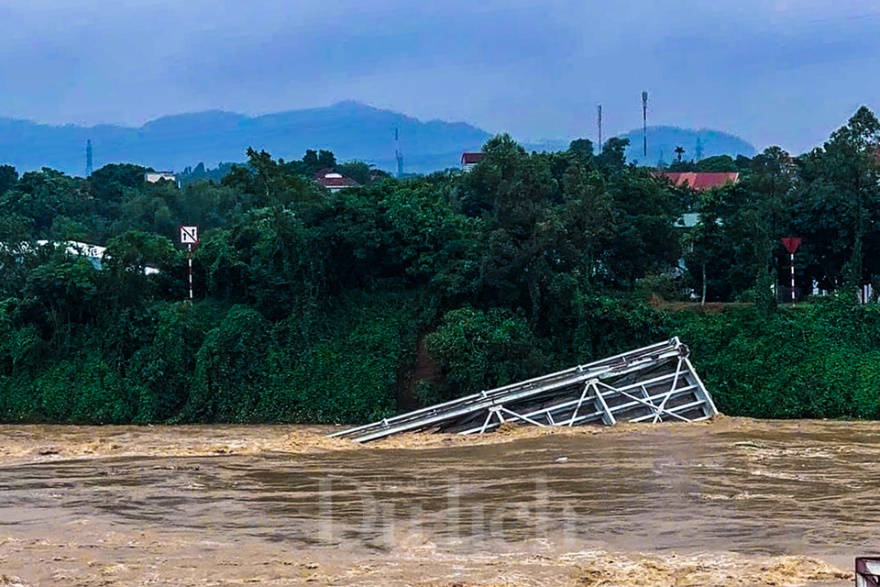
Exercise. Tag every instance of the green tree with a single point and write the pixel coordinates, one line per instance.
(838, 204)
(268, 182)
(588, 217)
(359, 171)
(483, 350)
(613, 155)
(737, 240)
(718, 163)
(46, 195)
(128, 259)
(326, 159)
(18, 254)
(8, 178)
(65, 290)
(513, 191)
(231, 371)
(581, 150)
(642, 236)
(269, 259)
(109, 183)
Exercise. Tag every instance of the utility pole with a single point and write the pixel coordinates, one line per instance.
(599, 113)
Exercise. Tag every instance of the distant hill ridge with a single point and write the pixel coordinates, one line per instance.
(350, 129)
(663, 140)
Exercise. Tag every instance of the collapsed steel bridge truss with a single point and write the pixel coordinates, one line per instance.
(652, 384)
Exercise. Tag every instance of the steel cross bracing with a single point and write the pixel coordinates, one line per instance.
(656, 383)
(867, 571)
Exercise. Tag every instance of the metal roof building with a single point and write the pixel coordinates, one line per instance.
(702, 180)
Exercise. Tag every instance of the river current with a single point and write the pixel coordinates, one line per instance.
(730, 502)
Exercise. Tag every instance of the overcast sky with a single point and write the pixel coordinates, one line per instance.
(781, 72)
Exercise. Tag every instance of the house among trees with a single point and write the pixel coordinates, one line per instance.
(333, 180)
(93, 253)
(702, 180)
(157, 176)
(468, 160)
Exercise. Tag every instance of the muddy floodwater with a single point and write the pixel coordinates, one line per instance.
(731, 502)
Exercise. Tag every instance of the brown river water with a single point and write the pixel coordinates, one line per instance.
(731, 502)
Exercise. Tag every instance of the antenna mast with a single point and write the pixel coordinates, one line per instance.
(89, 158)
(599, 112)
(398, 154)
(645, 123)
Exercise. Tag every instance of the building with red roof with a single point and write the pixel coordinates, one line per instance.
(333, 180)
(468, 160)
(702, 180)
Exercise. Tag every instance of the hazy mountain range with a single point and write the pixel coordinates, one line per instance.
(663, 140)
(350, 129)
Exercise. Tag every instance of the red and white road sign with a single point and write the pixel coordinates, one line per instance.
(791, 244)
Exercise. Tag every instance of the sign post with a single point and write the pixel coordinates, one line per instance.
(189, 236)
(791, 244)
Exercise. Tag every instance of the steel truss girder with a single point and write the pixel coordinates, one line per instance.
(655, 383)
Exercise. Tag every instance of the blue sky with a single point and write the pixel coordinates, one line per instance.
(781, 72)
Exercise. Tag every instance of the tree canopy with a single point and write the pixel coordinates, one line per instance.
(310, 305)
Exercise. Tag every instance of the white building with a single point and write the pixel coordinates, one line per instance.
(93, 253)
(157, 176)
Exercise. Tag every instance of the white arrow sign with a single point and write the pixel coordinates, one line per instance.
(189, 235)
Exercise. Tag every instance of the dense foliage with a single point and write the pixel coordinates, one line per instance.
(313, 306)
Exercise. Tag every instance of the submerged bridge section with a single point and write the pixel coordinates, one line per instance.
(652, 384)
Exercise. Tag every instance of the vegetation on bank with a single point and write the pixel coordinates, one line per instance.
(313, 306)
